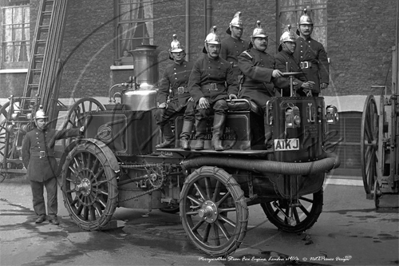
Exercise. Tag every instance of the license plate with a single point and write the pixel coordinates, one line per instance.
(286, 144)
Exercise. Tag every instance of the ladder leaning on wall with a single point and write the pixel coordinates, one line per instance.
(44, 73)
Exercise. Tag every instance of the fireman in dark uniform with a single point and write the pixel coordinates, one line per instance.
(212, 81)
(285, 62)
(233, 45)
(311, 55)
(173, 94)
(257, 67)
(38, 158)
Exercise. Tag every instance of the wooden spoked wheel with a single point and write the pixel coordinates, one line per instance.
(3, 116)
(89, 186)
(8, 143)
(295, 216)
(76, 116)
(214, 211)
(369, 144)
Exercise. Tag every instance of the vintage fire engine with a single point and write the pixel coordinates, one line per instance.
(116, 164)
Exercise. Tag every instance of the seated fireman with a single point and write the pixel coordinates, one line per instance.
(174, 86)
(257, 67)
(286, 62)
(211, 82)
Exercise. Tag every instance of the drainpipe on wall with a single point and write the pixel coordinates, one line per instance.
(208, 16)
(188, 30)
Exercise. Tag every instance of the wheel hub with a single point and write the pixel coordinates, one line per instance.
(84, 186)
(208, 211)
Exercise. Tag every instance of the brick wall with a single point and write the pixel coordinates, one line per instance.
(88, 49)
(360, 37)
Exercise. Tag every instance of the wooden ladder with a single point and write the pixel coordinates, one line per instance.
(42, 80)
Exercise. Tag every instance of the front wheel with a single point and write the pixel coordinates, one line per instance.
(214, 211)
(89, 186)
(297, 215)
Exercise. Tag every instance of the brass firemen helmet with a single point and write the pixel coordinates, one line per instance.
(211, 38)
(287, 36)
(258, 32)
(235, 22)
(40, 114)
(175, 46)
(305, 18)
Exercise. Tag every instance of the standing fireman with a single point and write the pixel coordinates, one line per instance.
(233, 45)
(311, 55)
(286, 62)
(38, 158)
(173, 96)
(257, 67)
(212, 81)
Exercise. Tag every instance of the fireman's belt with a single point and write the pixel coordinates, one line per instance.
(181, 90)
(305, 64)
(210, 87)
(42, 154)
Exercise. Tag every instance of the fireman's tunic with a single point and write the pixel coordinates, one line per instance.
(38, 152)
(175, 76)
(257, 68)
(213, 79)
(285, 62)
(231, 49)
(174, 91)
(317, 69)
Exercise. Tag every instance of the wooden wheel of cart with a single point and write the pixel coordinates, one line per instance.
(11, 152)
(89, 186)
(213, 211)
(77, 112)
(369, 144)
(2, 141)
(377, 194)
(297, 216)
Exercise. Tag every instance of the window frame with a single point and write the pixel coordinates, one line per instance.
(147, 19)
(14, 44)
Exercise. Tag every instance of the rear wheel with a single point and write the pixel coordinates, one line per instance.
(214, 211)
(89, 186)
(369, 144)
(296, 216)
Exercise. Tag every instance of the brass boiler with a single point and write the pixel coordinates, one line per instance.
(141, 93)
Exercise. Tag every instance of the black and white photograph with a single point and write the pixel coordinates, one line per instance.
(207, 132)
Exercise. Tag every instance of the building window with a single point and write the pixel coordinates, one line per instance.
(289, 12)
(15, 33)
(135, 24)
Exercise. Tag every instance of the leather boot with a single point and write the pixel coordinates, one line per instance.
(200, 127)
(185, 134)
(217, 131)
(169, 137)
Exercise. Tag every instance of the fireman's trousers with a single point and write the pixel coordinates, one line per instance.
(38, 197)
